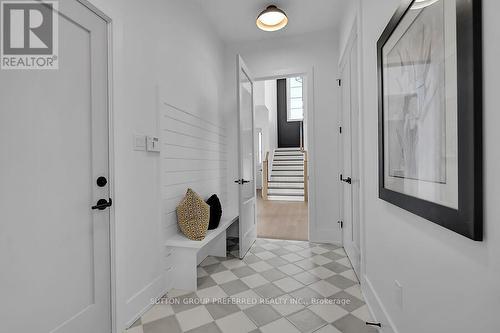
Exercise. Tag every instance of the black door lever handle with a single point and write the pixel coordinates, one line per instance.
(103, 204)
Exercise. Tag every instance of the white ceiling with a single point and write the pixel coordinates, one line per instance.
(235, 19)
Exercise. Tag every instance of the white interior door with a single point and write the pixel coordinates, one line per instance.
(350, 154)
(55, 249)
(246, 137)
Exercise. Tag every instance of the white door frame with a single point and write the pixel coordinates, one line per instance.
(111, 152)
(308, 72)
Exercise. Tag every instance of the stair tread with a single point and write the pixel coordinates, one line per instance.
(289, 176)
(294, 169)
(287, 194)
(289, 185)
(285, 188)
(286, 181)
(286, 198)
(295, 181)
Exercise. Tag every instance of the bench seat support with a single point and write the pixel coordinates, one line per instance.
(188, 254)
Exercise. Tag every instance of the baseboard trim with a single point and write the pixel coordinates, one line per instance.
(376, 307)
(140, 302)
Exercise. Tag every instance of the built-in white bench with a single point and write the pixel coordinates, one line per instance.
(187, 254)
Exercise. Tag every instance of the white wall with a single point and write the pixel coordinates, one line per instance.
(158, 43)
(450, 283)
(345, 27)
(261, 120)
(266, 113)
(259, 90)
(285, 55)
(193, 155)
(271, 100)
(262, 123)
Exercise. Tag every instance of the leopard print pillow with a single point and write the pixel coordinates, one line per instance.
(193, 216)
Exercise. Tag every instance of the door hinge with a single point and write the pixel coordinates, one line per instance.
(347, 180)
(340, 129)
(341, 223)
(339, 81)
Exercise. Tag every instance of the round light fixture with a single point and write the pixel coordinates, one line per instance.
(272, 19)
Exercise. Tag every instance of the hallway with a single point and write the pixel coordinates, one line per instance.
(346, 150)
(272, 290)
(281, 219)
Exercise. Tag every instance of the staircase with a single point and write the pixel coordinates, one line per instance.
(286, 179)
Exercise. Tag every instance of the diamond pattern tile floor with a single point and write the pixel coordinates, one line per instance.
(280, 286)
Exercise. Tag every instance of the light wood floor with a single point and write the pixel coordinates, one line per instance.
(281, 219)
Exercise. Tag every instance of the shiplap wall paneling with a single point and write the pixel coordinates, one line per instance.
(193, 155)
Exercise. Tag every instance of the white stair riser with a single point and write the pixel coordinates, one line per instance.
(288, 168)
(287, 179)
(285, 191)
(290, 153)
(285, 198)
(288, 163)
(288, 158)
(285, 185)
(287, 173)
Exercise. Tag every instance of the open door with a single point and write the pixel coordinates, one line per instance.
(246, 140)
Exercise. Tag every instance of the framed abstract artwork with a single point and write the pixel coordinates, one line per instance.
(430, 113)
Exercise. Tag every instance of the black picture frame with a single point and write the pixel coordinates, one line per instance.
(467, 220)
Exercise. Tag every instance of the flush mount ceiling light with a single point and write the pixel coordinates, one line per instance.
(419, 4)
(272, 19)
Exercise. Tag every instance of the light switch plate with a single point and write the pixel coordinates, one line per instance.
(139, 142)
(153, 144)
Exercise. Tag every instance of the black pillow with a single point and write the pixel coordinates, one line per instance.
(215, 211)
